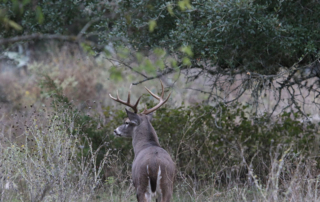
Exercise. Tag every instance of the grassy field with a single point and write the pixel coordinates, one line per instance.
(56, 141)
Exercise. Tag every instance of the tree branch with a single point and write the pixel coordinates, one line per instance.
(38, 37)
(84, 29)
(167, 71)
(128, 66)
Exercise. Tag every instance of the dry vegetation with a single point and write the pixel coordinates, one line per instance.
(45, 155)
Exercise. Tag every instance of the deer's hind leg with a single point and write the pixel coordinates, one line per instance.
(166, 197)
(166, 192)
(142, 197)
(144, 194)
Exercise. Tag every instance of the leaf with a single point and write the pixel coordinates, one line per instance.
(186, 61)
(174, 63)
(123, 52)
(160, 64)
(25, 2)
(115, 74)
(128, 19)
(187, 50)
(176, 76)
(15, 6)
(184, 4)
(87, 48)
(159, 52)
(152, 25)
(181, 5)
(39, 15)
(149, 68)
(170, 9)
(13, 24)
(139, 57)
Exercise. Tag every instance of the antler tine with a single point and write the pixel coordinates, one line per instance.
(148, 111)
(128, 100)
(115, 99)
(134, 107)
(162, 93)
(154, 95)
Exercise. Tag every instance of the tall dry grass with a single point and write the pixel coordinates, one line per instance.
(44, 156)
(48, 162)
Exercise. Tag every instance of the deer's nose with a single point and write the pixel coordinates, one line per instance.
(116, 133)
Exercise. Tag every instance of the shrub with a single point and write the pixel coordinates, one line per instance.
(206, 145)
(50, 163)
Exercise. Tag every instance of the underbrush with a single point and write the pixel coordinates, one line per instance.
(64, 154)
(49, 162)
(57, 143)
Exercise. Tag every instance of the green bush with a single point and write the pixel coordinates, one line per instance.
(47, 17)
(244, 35)
(206, 142)
(205, 145)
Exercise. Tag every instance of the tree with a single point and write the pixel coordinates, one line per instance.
(241, 46)
(47, 17)
(262, 48)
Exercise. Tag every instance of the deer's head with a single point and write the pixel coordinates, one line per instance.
(131, 123)
(137, 121)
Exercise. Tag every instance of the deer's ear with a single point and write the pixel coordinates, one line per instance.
(150, 116)
(134, 118)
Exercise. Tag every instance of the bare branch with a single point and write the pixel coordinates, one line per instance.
(298, 107)
(277, 104)
(84, 29)
(167, 71)
(38, 37)
(128, 66)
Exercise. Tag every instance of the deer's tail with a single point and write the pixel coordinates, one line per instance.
(155, 179)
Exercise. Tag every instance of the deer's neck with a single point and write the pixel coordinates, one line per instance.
(144, 137)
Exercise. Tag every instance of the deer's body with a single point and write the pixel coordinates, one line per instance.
(153, 175)
(153, 169)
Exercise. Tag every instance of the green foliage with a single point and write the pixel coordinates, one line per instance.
(152, 25)
(87, 48)
(258, 36)
(115, 74)
(5, 22)
(187, 50)
(185, 4)
(204, 141)
(63, 17)
(205, 145)
(39, 15)
(144, 64)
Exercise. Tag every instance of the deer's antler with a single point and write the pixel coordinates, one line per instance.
(134, 107)
(162, 101)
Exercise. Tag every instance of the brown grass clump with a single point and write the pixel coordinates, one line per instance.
(48, 162)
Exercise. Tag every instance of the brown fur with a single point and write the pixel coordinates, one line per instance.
(148, 154)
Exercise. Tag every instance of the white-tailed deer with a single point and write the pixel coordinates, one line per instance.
(153, 169)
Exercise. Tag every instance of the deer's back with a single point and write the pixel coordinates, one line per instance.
(146, 167)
